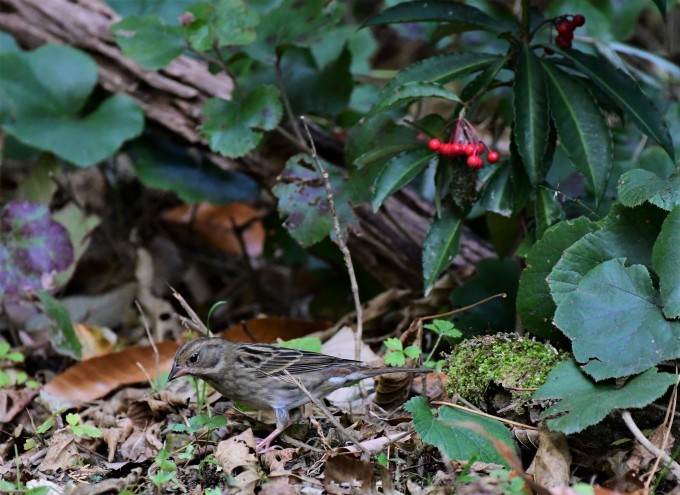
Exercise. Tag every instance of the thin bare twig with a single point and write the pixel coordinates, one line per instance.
(340, 242)
(491, 416)
(673, 466)
(667, 420)
(153, 345)
(328, 414)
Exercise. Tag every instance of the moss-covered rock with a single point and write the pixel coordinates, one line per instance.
(508, 361)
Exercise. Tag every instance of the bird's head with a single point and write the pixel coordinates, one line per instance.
(200, 357)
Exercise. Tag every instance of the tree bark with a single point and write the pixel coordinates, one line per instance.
(390, 243)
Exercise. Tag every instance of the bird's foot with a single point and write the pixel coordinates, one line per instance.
(264, 444)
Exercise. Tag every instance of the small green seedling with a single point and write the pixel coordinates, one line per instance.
(79, 430)
(443, 328)
(397, 354)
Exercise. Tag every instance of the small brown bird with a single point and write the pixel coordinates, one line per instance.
(254, 374)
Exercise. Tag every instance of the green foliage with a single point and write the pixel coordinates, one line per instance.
(62, 335)
(311, 344)
(397, 354)
(584, 402)
(149, 41)
(200, 421)
(11, 377)
(235, 127)
(164, 469)
(442, 328)
(45, 105)
(449, 433)
(80, 430)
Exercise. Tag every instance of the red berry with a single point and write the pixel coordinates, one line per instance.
(474, 161)
(446, 150)
(470, 149)
(579, 20)
(567, 36)
(565, 27)
(564, 43)
(480, 148)
(548, 51)
(492, 156)
(457, 149)
(434, 144)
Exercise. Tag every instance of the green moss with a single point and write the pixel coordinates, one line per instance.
(506, 360)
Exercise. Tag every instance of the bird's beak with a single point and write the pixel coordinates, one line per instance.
(177, 371)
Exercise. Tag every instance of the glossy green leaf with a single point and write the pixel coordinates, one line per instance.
(62, 335)
(412, 91)
(466, 17)
(399, 171)
(535, 305)
(666, 263)
(548, 210)
(482, 81)
(614, 323)
(532, 122)
(661, 5)
(440, 246)
(223, 23)
(441, 69)
(626, 93)
(448, 432)
(46, 102)
(581, 127)
(496, 194)
(162, 169)
(148, 41)
(233, 128)
(583, 403)
(638, 185)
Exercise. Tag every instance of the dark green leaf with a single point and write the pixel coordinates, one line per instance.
(441, 69)
(534, 303)
(291, 23)
(666, 265)
(193, 184)
(398, 172)
(148, 41)
(581, 127)
(548, 210)
(637, 186)
(45, 101)
(302, 199)
(323, 91)
(449, 433)
(465, 16)
(235, 127)
(224, 23)
(586, 403)
(661, 5)
(626, 93)
(530, 104)
(412, 91)
(614, 322)
(440, 246)
(62, 335)
(482, 81)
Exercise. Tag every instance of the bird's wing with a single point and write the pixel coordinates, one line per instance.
(273, 360)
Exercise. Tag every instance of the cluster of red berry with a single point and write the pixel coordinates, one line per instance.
(565, 25)
(464, 142)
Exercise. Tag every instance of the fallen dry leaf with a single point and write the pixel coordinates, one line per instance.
(62, 452)
(551, 466)
(96, 341)
(142, 444)
(217, 226)
(96, 377)
(348, 471)
(236, 455)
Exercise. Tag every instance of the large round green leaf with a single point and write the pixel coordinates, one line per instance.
(46, 91)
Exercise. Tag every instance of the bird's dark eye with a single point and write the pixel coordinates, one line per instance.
(193, 358)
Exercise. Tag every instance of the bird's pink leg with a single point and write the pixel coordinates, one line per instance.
(283, 421)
